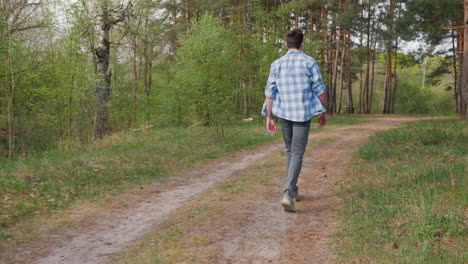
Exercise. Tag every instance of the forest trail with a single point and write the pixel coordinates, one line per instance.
(272, 236)
(268, 235)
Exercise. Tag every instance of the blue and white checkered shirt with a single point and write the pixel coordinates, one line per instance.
(295, 83)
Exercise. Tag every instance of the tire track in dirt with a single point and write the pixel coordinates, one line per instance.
(110, 230)
(271, 235)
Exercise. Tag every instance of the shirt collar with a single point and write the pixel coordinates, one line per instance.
(294, 51)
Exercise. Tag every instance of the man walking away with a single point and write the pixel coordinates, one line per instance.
(294, 93)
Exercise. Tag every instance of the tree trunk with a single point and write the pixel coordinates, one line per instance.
(10, 87)
(372, 80)
(325, 40)
(343, 54)
(464, 68)
(296, 18)
(245, 101)
(282, 16)
(455, 70)
(148, 84)
(71, 91)
(103, 83)
(366, 90)
(197, 11)
(395, 63)
(147, 69)
(332, 102)
(187, 11)
(267, 23)
(339, 50)
(395, 78)
(174, 12)
(136, 81)
(311, 26)
(361, 45)
(388, 81)
(341, 83)
(348, 78)
(460, 47)
(424, 66)
(5, 5)
(388, 67)
(101, 120)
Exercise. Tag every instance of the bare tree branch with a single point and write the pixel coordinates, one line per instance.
(17, 10)
(25, 28)
(21, 71)
(454, 28)
(124, 13)
(35, 7)
(14, 14)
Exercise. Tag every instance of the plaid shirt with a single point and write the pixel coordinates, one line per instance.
(295, 83)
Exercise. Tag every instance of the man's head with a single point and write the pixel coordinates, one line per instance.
(294, 39)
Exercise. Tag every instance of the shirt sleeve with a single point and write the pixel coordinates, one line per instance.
(271, 90)
(264, 111)
(318, 87)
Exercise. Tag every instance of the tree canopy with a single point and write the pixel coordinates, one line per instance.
(75, 71)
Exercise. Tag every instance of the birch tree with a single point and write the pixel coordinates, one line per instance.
(109, 18)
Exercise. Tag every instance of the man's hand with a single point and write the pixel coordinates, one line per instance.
(323, 117)
(271, 126)
(322, 120)
(270, 123)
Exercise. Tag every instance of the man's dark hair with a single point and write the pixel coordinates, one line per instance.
(294, 39)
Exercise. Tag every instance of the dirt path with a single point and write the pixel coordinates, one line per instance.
(272, 236)
(269, 236)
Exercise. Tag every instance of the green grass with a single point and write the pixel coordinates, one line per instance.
(54, 179)
(405, 197)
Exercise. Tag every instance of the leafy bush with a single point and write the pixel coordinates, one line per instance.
(204, 72)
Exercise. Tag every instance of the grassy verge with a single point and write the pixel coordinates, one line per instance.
(405, 197)
(55, 179)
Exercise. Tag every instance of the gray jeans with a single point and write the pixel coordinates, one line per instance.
(295, 135)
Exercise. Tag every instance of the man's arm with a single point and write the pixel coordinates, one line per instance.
(270, 94)
(318, 87)
(270, 123)
(323, 117)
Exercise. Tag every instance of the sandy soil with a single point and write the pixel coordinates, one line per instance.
(269, 236)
